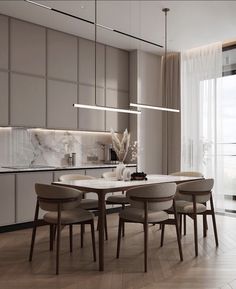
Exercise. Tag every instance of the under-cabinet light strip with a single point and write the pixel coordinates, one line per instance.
(140, 105)
(107, 108)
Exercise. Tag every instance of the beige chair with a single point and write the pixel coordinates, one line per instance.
(147, 206)
(87, 204)
(116, 199)
(192, 198)
(61, 204)
(187, 174)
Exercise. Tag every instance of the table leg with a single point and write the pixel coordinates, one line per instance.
(101, 206)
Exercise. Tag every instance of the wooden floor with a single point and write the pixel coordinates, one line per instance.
(214, 268)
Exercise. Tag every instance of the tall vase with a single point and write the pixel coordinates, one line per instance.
(119, 171)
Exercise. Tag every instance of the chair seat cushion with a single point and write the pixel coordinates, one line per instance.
(88, 204)
(118, 199)
(69, 217)
(187, 207)
(137, 215)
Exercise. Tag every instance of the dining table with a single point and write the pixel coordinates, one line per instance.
(102, 186)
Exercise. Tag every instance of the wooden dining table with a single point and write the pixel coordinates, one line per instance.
(103, 186)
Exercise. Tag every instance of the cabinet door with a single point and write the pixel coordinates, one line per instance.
(4, 42)
(26, 196)
(97, 173)
(27, 101)
(62, 55)
(117, 69)
(117, 120)
(87, 63)
(60, 111)
(3, 98)
(93, 120)
(28, 47)
(7, 199)
(57, 174)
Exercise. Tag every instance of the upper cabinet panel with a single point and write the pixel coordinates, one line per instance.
(28, 47)
(62, 55)
(27, 101)
(87, 63)
(60, 111)
(3, 98)
(4, 42)
(117, 69)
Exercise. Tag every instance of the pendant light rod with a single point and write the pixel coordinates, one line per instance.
(93, 23)
(106, 108)
(140, 105)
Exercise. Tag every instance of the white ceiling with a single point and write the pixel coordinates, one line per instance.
(190, 23)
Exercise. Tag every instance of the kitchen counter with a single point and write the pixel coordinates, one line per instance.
(51, 168)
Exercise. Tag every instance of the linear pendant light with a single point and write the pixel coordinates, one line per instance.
(141, 105)
(87, 106)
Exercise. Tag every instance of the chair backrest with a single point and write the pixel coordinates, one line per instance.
(198, 188)
(72, 177)
(50, 196)
(159, 196)
(188, 174)
(109, 175)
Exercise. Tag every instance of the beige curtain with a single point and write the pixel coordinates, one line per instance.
(171, 120)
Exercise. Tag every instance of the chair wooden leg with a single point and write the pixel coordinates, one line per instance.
(71, 237)
(81, 235)
(178, 232)
(195, 234)
(180, 216)
(123, 228)
(105, 224)
(51, 228)
(58, 238)
(185, 225)
(93, 240)
(204, 219)
(145, 246)
(162, 233)
(119, 238)
(214, 222)
(34, 231)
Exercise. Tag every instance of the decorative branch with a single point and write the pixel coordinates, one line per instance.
(121, 147)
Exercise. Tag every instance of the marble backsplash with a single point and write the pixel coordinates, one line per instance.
(21, 146)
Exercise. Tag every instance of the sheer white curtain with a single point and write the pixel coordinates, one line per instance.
(201, 72)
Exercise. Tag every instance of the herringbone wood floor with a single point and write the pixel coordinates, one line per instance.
(214, 268)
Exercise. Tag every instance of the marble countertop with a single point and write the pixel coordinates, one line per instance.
(47, 168)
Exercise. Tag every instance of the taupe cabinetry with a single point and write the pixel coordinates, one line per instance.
(61, 56)
(60, 111)
(4, 42)
(25, 193)
(27, 101)
(3, 98)
(7, 199)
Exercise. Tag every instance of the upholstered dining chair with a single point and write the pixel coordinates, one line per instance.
(147, 206)
(187, 174)
(192, 198)
(116, 199)
(86, 203)
(61, 206)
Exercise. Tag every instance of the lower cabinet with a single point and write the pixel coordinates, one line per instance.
(7, 199)
(26, 196)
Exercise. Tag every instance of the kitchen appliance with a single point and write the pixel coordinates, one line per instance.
(109, 154)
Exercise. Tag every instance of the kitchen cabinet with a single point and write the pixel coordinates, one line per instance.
(60, 99)
(4, 98)
(67, 172)
(28, 47)
(4, 42)
(61, 55)
(93, 120)
(117, 69)
(118, 121)
(25, 193)
(87, 63)
(27, 101)
(7, 199)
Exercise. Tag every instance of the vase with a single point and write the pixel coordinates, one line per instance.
(119, 171)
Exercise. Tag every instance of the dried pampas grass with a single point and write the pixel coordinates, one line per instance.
(121, 147)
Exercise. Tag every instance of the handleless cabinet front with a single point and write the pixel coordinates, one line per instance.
(26, 196)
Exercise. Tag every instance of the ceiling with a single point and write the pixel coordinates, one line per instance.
(190, 23)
